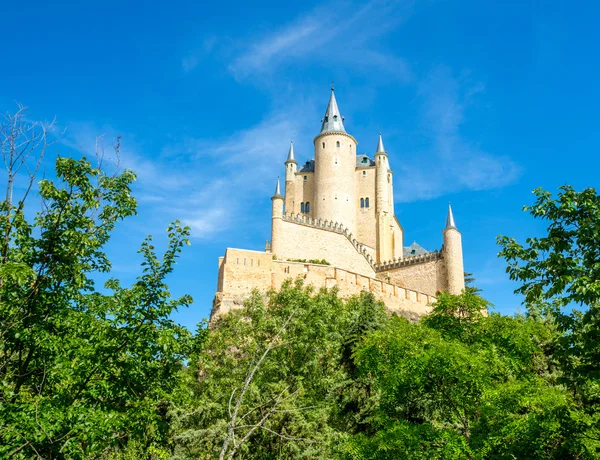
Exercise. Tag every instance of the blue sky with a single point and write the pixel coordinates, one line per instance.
(478, 102)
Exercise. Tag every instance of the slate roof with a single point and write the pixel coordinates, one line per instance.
(417, 248)
(309, 166)
(363, 161)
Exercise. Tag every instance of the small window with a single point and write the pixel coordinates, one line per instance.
(323, 144)
(305, 178)
(364, 173)
(302, 207)
(365, 160)
(337, 144)
(336, 197)
(326, 119)
(335, 118)
(335, 160)
(366, 202)
(413, 252)
(307, 207)
(362, 202)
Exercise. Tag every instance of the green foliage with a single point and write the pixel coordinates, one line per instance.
(83, 371)
(560, 271)
(311, 261)
(303, 370)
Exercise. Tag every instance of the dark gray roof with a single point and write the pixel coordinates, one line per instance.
(418, 250)
(363, 161)
(309, 166)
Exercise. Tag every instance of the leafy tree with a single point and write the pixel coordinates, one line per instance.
(81, 370)
(560, 276)
(269, 378)
(463, 385)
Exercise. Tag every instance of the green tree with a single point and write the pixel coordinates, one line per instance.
(463, 385)
(82, 371)
(269, 378)
(559, 274)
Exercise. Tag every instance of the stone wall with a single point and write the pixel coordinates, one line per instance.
(242, 271)
(366, 222)
(426, 273)
(301, 237)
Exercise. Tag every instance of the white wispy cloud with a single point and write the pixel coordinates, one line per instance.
(342, 32)
(453, 163)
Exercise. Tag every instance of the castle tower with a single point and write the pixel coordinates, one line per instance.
(276, 220)
(384, 208)
(335, 165)
(290, 176)
(453, 255)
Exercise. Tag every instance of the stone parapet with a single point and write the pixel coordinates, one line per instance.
(406, 261)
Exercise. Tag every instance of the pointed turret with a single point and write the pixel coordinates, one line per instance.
(450, 219)
(380, 148)
(332, 121)
(277, 190)
(291, 158)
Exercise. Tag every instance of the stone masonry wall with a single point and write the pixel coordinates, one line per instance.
(303, 239)
(241, 271)
(429, 277)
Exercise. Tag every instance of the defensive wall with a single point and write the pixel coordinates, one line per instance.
(304, 237)
(426, 273)
(241, 271)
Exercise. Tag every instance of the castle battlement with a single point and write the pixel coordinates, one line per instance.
(412, 260)
(330, 226)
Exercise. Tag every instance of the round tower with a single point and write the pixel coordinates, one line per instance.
(383, 207)
(290, 180)
(335, 165)
(453, 255)
(276, 220)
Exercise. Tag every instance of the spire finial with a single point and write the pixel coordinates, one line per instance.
(291, 158)
(277, 190)
(380, 148)
(450, 219)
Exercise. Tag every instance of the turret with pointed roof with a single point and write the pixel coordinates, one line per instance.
(277, 190)
(332, 122)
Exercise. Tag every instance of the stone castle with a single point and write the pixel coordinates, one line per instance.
(336, 226)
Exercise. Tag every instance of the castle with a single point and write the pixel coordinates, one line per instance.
(336, 226)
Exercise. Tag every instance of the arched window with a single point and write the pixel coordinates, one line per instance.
(366, 202)
(323, 144)
(362, 202)
(337, 144)
(305, 178)
(307, 207)
(335, 118)
(302, 207)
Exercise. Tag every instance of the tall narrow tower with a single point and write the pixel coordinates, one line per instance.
(276, 220)
(383, 208)
(335, 164)
(453, 255)
(290, 179)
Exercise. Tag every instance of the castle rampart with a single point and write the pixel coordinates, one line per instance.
(242, 271)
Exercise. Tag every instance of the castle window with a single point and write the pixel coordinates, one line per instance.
(362, 202)
(364, 173)
(302, 207)
(326, 119)
(366, 202)
(307, 207)
(335, 118)
(323, 144)
(305, 178)
(336, 197)
(335, 160)
(337, 144)
(365, 160)
(413, 252)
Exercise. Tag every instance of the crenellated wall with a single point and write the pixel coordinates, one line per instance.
(302, 237)
(424, 273)
(242, 271)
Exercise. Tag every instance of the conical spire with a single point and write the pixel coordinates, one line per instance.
(277, 190)
(332, 121)
(450, 219)
(291, 158)
(380, 148)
